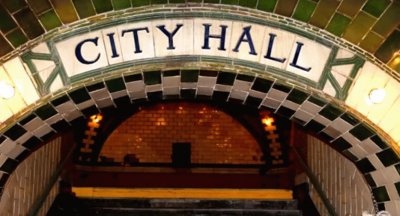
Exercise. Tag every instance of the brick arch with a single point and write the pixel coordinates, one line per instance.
(344, 130)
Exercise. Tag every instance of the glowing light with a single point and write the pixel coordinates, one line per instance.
(377, 95)
(267, 121)
(96, 118)
(6, 90)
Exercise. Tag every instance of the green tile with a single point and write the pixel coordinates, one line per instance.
(84, 8)
(388, 157)
(380, 194)
(199, 1)
(232, 2)
(39, 6)
(371, 42)
(323, 13)
(226, 78)
(262, 85)
(189, 75)
(29, 23)
(248, 3)
(389, 20)
(341, 144)
(50, 20)
(351, 7)
(16, 37)
(14, 5)
(330, 112)
(359, 27)
(361, 132)
(338, 24)
(102, 6)
(95, 87)
(304, 10)
(79, 95)
(121, 4)
(159, 1)
(365, 166)
(171, 73)
(65, 10)
(390, 46)
(7, 23)
(115, 84)
(140, 3)
(5, 47)
(376, 7)
(152, 77)
(267, 5)
(46, 111)
(285, 7)
(297, 96)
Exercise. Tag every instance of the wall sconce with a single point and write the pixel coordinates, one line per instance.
(376, 95)
(7, 91)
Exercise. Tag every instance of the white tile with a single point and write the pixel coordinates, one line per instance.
(241, 85)
(110, 36)
(185, 85)
(316, 64)
(241, 95)
(332, 132)
(7, 147)
(290, 105)
(392, 191)
(375, 161)
(370, 146)
(145, 41)
(153, 88)
(358, 151)
(310, 107)
(351, 139)
(329, 89)
(257, 94)
(182, 39)
(343, 53)
(55, 118)
(341, 125)
(393, 207)
(57, 84)
(119, 94)
(214, 43)
(206, 81)
(391, 173)
(42, 131)
(90, 52)
(379, 178)
(271, 103)
(304, 116)
(33, 124)
(224, 88)
(66, 107)
(322, 120)
(256, 34)
(277, 95)
(105, 102)
(171, 91)
(173, 81)
(70, 116)
(16, 151)
(85, 104)
(44, 68)
(99, 94)
(138, 95)
(205, 91)
(22, 139)
(41, 48)
(135, 86)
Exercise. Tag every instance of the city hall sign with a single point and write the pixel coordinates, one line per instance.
(200, 37)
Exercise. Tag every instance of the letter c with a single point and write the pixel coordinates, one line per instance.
(78, 51)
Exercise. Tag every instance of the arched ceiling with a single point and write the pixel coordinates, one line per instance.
(373, 25)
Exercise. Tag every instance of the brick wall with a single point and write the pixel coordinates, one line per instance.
(215, 136)
(28, 181)
(343, 184)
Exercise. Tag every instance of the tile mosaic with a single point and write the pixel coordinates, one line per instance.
(304, 10)
(285, 7)
(50, 20)
(65, 10)
(7, 23)
(323, 13)
(266, 5)
(338, 24)
(39, 6)
(376, 7)
(29, 23)
(358, 28)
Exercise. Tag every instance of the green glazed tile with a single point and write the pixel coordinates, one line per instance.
(7, 23)
(323, 13)
(50, 20)
(231, 2)
(226, 78)
(159, 1)
(16, 37)
(359, 27)
(199, 1)
(389, 20)
(371, 42)
(14, 5)
(388, 157)
(102, 6)
(331, 112)
(140, 3)
(390, 46)
(338, 24)
(285, 7)
(121, 4)
(5, 47)
(248, 3)
(29, 23)
(84, 8)
(267, 5)
(115, 84)
(189, 75)
(304, 10)
(212, 1)
(351, 7)
(365, 166)
(79, 95)
(39, 6)
(380, 194)
(65, 10)
(376, 7)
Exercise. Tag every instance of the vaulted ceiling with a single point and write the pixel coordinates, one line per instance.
(373, 25)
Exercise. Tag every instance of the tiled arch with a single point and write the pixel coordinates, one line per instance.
(338, 125)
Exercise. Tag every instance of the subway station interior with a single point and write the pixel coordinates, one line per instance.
(200, 107)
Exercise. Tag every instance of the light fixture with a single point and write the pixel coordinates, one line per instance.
(96, 118)
(376, 95)
(267, 121)
(6, 90)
